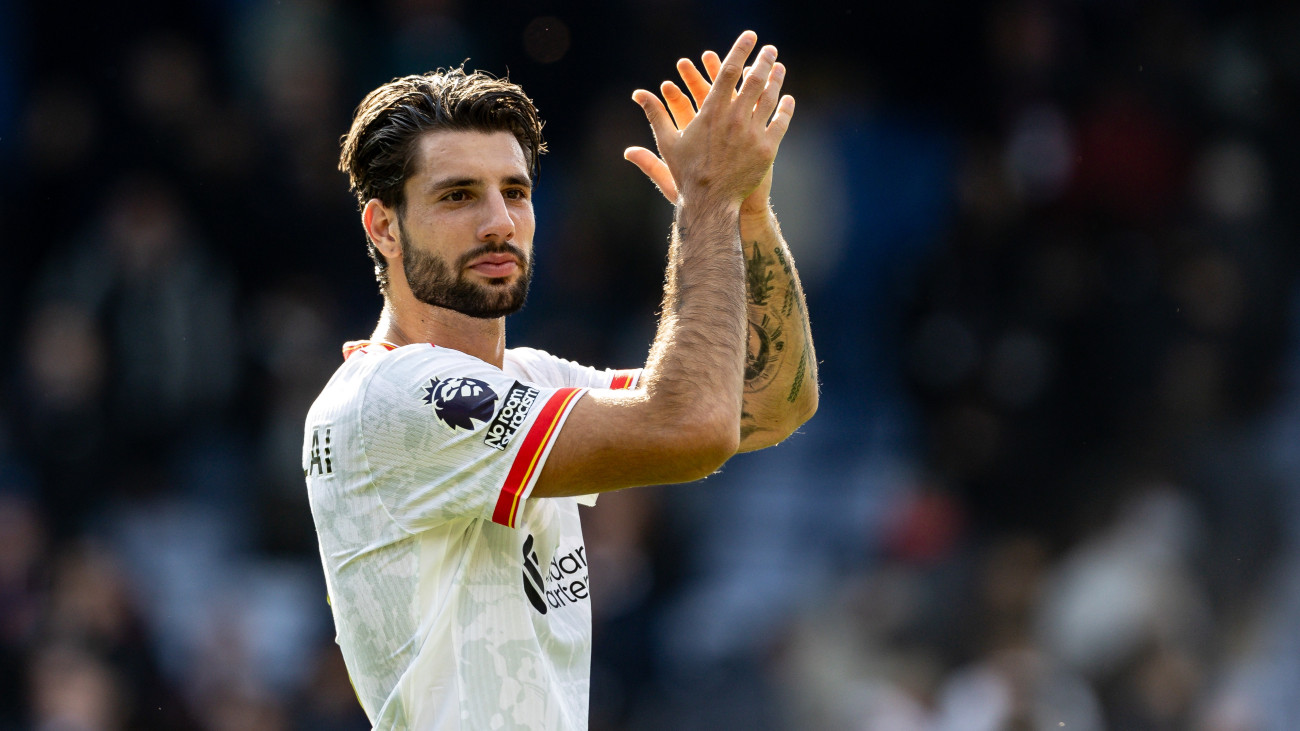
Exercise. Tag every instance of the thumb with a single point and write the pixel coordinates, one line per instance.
(661, 124)
(655, 169)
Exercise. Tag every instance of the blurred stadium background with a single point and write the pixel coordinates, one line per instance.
(1052, 274)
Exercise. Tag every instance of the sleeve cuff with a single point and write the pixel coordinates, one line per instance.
(625, 379)
(532, 455)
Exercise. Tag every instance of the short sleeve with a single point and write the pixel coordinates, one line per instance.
(449, 436)
(541, 367)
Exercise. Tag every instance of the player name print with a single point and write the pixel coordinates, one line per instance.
(518, 402)
(320, 458)
(459, 402)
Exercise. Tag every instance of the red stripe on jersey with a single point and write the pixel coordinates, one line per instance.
(534, 446)
(624, 379)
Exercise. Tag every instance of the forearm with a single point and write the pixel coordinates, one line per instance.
(683, 421)
(696, 362)
(780, 381)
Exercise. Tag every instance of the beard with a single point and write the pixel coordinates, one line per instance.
(436, 283)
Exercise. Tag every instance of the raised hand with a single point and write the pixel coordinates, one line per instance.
(755, 205)
(727, 146)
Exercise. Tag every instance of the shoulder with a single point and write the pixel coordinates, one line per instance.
(419, 375)
(423, 360)
(525, 356)
(539, 366)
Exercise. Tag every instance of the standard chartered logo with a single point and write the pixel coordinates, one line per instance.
(534, 584)
(564, 583)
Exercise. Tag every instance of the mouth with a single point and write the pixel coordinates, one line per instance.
(495, 266)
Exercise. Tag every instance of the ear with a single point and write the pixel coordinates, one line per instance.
(380, 223)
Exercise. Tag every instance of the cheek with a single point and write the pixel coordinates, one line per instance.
(524, 220)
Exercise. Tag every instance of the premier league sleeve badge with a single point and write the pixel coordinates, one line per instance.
(460, 402)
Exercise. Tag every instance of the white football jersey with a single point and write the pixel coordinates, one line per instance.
(458, 602)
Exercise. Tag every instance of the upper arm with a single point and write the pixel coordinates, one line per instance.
(616, 436)
(622, 438)
(448, 436)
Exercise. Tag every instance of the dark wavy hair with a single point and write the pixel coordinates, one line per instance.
(379, 150)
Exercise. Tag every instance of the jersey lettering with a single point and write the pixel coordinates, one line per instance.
(320, 461)
(518, 402)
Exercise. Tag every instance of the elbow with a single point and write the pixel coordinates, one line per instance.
(807, 406)
(786, 429)
(724, 442)
(800, 412)
(781, 428)
(704, 448)
(804, 406)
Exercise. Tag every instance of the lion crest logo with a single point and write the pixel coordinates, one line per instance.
(459, 402)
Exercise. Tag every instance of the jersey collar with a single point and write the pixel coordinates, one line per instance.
(352, 347)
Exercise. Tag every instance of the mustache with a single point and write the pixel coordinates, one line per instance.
(497, 247)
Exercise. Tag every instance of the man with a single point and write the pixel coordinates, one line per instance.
(442, 466)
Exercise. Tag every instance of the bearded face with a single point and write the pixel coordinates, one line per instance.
(435, 282)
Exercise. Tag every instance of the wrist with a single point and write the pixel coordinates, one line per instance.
(703, 201)
(757, 220)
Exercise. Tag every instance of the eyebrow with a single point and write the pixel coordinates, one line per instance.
(453, 182)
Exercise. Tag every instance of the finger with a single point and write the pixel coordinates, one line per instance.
(756, 80)
(661, 124)
(694, 80)
(729, 71)
(682, 110)
(655, 169)
(781, 120)
(712, 64)
(772, 93)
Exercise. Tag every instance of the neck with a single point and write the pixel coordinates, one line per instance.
(406, 320)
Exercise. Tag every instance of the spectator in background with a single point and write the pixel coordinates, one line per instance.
(161, 306)
(1055, 236)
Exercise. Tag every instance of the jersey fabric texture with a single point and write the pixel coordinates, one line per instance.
(458, 602)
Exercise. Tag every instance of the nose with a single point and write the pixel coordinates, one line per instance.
(497, 223)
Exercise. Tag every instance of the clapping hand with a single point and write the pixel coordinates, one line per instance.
(752, 108)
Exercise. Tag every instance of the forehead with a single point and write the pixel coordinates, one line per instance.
(470, 154)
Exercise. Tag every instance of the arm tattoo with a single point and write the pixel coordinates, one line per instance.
(766, 352)
(791, 303)
(798, 378)
(779, 336)
(758, 277)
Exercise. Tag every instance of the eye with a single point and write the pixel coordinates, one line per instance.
(517, 194)
(456, 196)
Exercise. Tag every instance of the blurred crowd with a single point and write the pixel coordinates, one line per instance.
(1049, 256)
